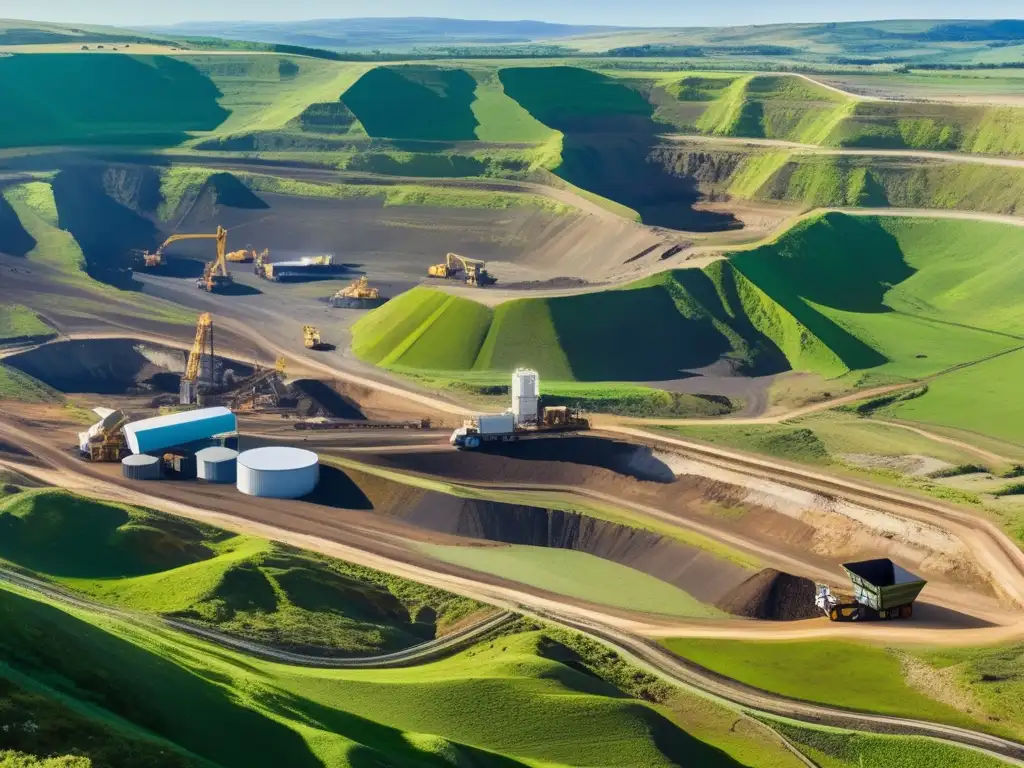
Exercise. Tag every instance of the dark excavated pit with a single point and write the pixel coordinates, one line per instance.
(111, 366)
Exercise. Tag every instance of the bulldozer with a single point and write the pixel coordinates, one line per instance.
(311, 338)
(473, 269)
(357, 295)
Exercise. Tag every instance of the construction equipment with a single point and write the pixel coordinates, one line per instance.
(189, 393)
(311, 337)
(246, 256)
(104, 441)
(473, 269)
(357, 295)
(259, 391)
(156, 258)
(881, 590)
(526, 419)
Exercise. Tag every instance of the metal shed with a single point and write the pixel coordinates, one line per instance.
(142, 467)
(278, 472)
(217, 465)
(161, 432)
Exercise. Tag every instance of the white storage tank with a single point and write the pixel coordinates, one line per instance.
(140, 466)
(216, 465)
(278, 472)
(525, 395)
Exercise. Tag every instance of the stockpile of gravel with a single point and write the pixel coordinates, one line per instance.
(772, 595)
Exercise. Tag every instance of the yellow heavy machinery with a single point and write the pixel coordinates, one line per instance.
(356, 295)
(190, 381)
(311, 337)
(247, 256)
(104, 440)
(474, 270)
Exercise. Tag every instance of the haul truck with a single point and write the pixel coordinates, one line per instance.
(881, 590)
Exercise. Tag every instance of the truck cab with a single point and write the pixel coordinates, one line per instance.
(465, 438)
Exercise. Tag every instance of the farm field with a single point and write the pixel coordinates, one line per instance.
(579, 575)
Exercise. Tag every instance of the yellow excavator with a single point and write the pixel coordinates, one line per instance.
(215, 273)
(453, 264)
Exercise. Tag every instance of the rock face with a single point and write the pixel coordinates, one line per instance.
(772, 595)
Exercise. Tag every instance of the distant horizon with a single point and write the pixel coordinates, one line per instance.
(640, 14)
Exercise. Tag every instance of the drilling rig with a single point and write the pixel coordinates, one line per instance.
(190, 381)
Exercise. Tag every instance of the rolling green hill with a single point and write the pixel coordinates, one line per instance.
(900, 296)
(151, 562)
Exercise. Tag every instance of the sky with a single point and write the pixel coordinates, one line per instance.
(674, 13)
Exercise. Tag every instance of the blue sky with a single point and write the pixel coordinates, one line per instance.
(615, 12)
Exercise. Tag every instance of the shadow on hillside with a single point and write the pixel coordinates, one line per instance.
(415, 102)
(337, 489)
(841, 262)
(609, 135)
(161, 691)
(108, 232)
(14, 240)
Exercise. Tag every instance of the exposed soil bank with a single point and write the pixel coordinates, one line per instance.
(109, 366)
(705, 576)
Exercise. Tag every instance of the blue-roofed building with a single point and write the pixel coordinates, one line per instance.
(162, 432)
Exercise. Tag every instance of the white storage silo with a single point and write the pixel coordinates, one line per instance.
(216, 464)
(525, 395)
(278, 472)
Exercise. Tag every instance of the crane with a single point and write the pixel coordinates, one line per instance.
(215, 273)
(476, 275)
(204, 335)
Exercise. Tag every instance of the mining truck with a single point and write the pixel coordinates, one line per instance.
(881, 590)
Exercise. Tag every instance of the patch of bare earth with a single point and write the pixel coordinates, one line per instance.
(942, 685)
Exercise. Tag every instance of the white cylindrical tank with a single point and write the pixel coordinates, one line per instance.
(216, 464)
(525, 395)
(277, 472)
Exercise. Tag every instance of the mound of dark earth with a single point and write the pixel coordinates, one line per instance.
(772, 595)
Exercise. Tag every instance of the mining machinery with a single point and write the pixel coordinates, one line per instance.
(473, 270)
(356, 295)
(104, 441)
(311, 337)
(190, 381)
(247, 256)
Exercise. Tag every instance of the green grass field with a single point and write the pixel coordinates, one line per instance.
(579, 575)
(150, 562)
(235, 711)
(872, 680)
(20, 323)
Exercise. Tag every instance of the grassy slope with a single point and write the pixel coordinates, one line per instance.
(150, 562)
(248, 713)
(979, 399)
(823, 181)
(18, 322)
(871, 677)
(70, 99)
(836, 293)
(579, 575)
(34, 204)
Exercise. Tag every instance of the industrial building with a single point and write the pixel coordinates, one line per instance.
(525, 396)
(217, 464)
(278, 472)
(162, 432)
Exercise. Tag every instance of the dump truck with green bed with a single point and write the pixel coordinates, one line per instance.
(881, 590)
